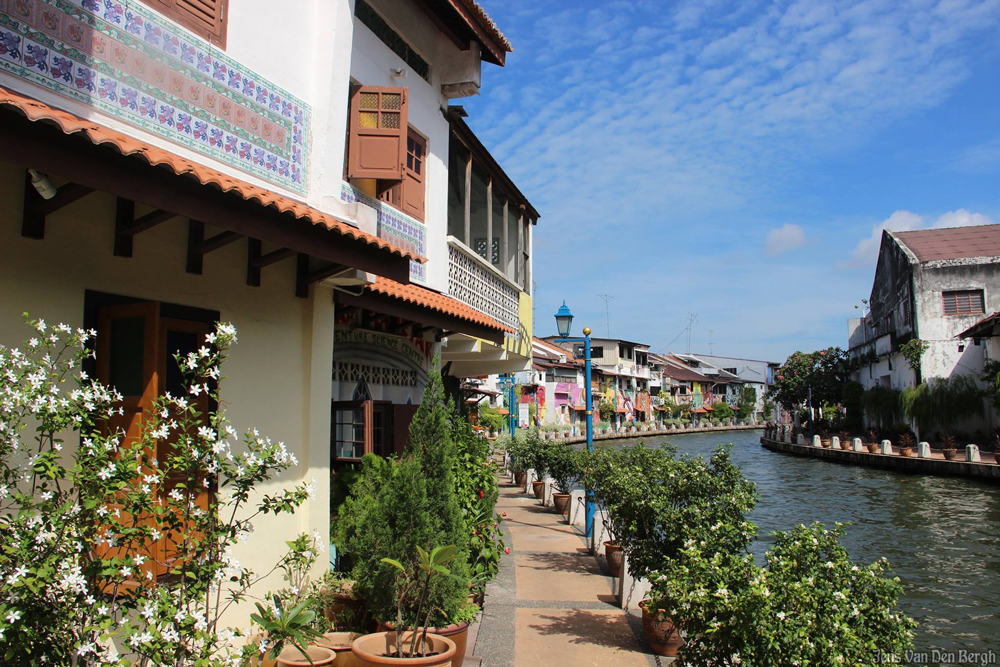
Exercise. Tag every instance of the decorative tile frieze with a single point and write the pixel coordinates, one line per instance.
(138, 66)
(395, 227)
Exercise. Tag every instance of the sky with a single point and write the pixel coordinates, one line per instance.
(738, 160)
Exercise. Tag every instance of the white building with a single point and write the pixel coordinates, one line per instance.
(294, 169)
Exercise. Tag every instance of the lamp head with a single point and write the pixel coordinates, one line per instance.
(564, 320)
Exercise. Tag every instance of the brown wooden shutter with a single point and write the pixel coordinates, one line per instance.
(377, 147)
(413, 176)
(403, 415)
(205, 18)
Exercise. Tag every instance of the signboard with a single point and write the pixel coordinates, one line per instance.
(523, 415)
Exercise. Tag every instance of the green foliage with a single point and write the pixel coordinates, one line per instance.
(808, 605)
(489, 418)
(67, 596)
(882, 405)
(747, 402)
(942, 402)
(415, 581)
(721, 410)
(281, 625)
(913, 351)
(562, 464)
(853, 403)
(607, 409)
(397, 505)
(824, 370)
(991, 376)
(518, 449)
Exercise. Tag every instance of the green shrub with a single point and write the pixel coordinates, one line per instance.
(562, 464)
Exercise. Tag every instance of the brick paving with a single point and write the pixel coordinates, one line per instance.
(553, 604)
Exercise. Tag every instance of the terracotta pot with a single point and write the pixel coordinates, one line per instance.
(456, 632)
(370, 650)
(613, 554)
(520, 478)
(539, 488)
(319, 657)
(872, 448)
(826, 443)
(561, 503)
(845, 444)
(906, 451)
(661, 633)
(340, 644)
(950, 454)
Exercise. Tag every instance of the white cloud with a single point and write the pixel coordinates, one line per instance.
(961, 218)
(866, 252)
(784, 239)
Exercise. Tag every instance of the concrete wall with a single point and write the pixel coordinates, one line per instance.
(278, 376)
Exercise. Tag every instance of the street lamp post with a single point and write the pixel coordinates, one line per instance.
(508, 385)
(564, 322)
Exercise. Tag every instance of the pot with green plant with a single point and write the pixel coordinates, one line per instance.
(411, 647)
(906, 444)
(873, 440)
(564, 468)
(287, 633)
(949, 447)
(661, 632)
(845, 440)
(517, 451)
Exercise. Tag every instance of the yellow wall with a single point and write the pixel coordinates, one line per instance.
(278, 376)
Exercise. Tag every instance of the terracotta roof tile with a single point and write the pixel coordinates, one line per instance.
(488, 23)
(426, 298)
(952, 243)
(71, 124)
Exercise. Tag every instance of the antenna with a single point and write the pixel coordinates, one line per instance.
(692, 318)
(710, 341)
(607, 309)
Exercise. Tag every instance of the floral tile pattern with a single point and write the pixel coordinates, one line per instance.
(132, 63)
(395, 227)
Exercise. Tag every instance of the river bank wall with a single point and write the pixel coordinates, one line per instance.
(986, 471)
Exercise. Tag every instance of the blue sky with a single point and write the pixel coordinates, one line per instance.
(737, 160)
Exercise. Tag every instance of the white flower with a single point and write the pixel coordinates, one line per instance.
(13, 616)
(781, 615)
(126, 571)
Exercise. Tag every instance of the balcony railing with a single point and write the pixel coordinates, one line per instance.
(474, 283)
(395, 227)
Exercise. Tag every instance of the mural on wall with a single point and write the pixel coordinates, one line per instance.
(128, 61)
(395, 227)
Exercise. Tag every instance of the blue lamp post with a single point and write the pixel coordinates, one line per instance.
(564, 322)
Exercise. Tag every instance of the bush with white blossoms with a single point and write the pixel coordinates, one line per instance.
(810, 604)
(80, 525)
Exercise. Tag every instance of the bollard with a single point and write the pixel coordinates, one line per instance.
(800, 440)
(887, 447)
(817, 441)
(788, 437)
(835, 442)
(924, 450)
(856, 445)
(972, 454)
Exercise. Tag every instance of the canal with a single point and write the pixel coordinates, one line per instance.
(941, 535)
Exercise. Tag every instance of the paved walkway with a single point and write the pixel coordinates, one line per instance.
(553, 598)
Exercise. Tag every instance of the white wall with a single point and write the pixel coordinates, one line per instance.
(278, 376)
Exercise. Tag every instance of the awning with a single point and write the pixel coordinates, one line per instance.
(580, 408)
(503, 411)
(621, 411)
(95, 157)
(981, 329)
(426, 306)
(708, 408)
(699, 411)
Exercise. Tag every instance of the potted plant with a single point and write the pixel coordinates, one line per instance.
(661, 632)
(517, 449)
(873, 440)
(602, 475)
(536, 458)
(949, 447)
(906, 444)
(564, 469)
(411, 647)
(287, 633)
(845, 439)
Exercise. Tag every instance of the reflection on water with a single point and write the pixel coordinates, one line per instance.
(941, 535)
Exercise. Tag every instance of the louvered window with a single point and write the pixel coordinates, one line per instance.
(205, 18)
(378, 132)
(963, 302)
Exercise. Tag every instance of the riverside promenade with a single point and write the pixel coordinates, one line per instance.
(553, 604)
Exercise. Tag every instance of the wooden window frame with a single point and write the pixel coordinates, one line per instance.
(395, 194)
(368, 408)
(963, 299)
(179, 12)
(365, 141)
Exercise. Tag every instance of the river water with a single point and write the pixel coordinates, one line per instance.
(941, 534)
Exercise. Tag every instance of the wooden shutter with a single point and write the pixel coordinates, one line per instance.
(377, 146)
(403, 415)
(413, 176)
(205, 18)
(968, 302)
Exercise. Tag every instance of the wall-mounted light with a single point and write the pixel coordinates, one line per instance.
(961, 347)
(42, 184)
(397, 72)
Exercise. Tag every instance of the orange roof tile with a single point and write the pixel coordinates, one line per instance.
(488, 23)
(426, 298)
(71, 124)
